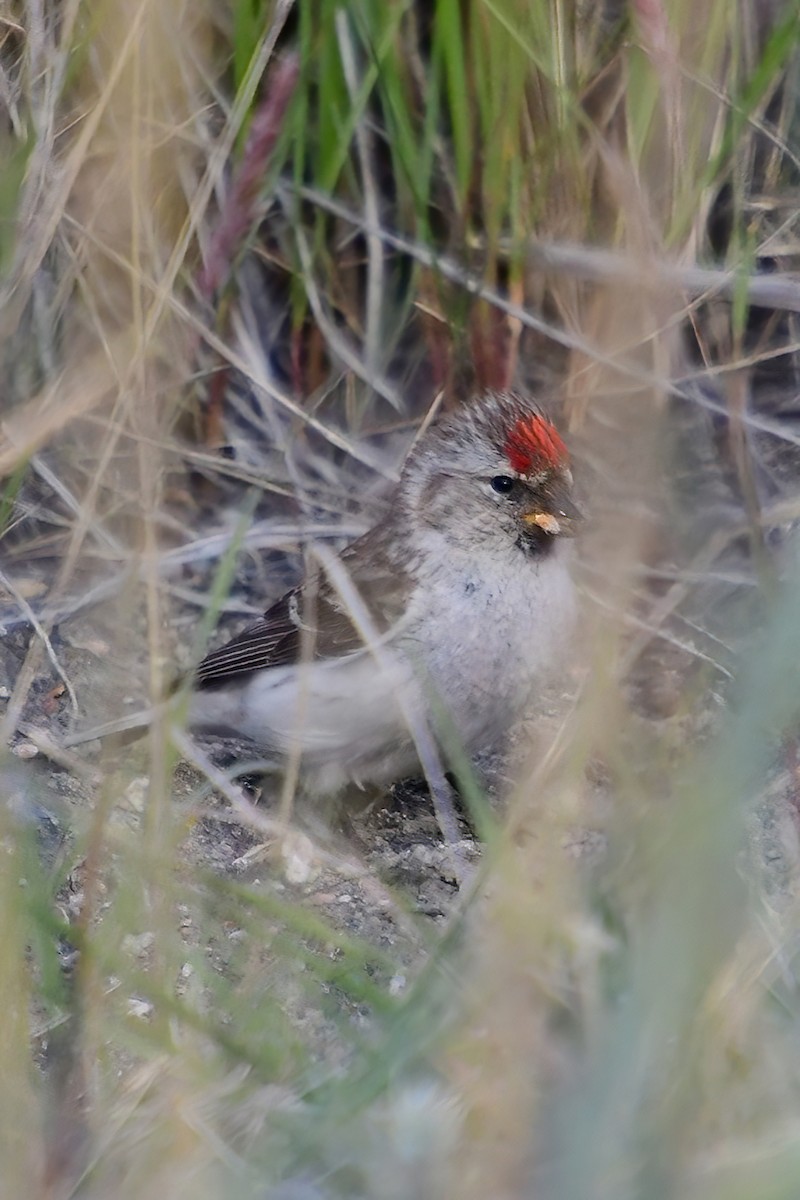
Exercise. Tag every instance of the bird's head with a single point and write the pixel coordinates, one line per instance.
(495, 473)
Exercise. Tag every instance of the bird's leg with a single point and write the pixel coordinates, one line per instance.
(442, 796)
(409, 700)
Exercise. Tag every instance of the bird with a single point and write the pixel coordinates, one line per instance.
(433, 629)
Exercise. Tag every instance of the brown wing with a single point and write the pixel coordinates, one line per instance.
(276, 639)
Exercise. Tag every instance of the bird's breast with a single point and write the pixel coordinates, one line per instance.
(489, 640)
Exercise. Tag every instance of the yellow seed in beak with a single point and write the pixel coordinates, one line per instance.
(545, 521)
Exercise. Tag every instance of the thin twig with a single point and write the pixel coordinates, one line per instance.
(364, 148)
(60, 754)
(94, 527)
(335, 339)
(590, 264)
(43, 635)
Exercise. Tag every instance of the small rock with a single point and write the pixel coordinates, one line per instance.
(25, 750)
(138, 944)
(298, 856)
(142, 1009)
(426, 856)
(135, 793)
(397, 984)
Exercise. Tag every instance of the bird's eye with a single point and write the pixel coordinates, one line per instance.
(503, 484)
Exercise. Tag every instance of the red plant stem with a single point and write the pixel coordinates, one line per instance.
(239, 209)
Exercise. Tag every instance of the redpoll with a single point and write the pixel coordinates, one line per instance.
(440, 623)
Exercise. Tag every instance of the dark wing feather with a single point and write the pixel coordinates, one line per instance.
(272, 641)
(276, 639)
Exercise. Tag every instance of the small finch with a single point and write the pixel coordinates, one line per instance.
(438, 624)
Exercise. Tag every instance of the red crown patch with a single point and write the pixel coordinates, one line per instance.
(535, 445)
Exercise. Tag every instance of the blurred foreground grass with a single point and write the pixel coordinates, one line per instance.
(283, 229)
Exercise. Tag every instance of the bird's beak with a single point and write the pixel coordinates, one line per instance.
(557, 516)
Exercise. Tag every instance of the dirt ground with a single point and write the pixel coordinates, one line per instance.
(374, 868)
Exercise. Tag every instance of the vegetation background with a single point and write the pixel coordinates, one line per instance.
(246, 249)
